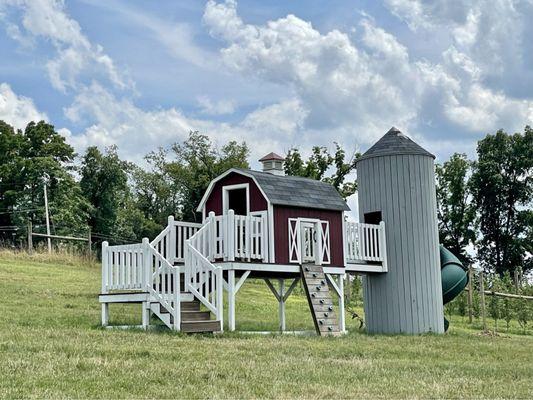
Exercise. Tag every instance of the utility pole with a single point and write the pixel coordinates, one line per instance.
(47, 220)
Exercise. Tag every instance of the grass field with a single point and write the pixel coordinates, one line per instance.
(51, 346)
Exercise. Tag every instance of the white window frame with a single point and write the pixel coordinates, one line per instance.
(225, 198)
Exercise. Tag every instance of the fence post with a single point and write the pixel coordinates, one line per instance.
(470, 294)
(482, 294)
(147, 264)
(230, 235)
(90, 244)
(105, 266)
(172, 240)
(30, 237)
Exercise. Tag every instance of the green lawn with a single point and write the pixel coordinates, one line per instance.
(51, 346)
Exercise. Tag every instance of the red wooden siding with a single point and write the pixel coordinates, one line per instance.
(214, 201)
(281, 231)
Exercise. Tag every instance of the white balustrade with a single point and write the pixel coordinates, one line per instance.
(364, 242)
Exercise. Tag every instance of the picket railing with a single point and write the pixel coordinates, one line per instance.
(123, 267)
(164, 284)
(181, 232)
(365, 242)
(203, 279)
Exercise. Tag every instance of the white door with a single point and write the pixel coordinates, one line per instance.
(308, 236)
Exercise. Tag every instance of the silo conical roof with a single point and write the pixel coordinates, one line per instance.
(394, 142)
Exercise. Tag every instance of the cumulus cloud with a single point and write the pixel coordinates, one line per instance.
(75, 54)
(219, 107)
(17, 110)
(371, 82)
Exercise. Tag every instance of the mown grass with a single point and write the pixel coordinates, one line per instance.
(51, 346)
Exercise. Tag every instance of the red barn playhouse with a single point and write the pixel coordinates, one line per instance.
(255, 224)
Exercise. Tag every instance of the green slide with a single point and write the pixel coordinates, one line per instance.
(454, 277)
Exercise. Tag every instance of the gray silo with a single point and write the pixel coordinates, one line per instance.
(396, 184)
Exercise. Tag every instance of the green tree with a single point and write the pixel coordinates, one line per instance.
(156, 193)
(29, 160)
(319, 163)
(502, 189)
(455, 211)
(104, 183)
(197, 162)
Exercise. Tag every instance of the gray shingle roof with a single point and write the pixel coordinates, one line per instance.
(392, 143)
(296, 191)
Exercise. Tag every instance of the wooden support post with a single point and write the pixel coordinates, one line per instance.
(470, 295)
(49, 241)
(231, 300)
(30, 237)
(105, 314)
(482, 294)
(89, 244)
(281, 305)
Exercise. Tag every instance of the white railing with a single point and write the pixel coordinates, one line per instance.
(164, 283)
(182, 231)
(170, 243)
(202, 278)
(163, 243)
(365, 242)
(122, 267)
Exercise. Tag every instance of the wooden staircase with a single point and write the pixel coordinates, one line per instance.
(320, 301)
(193, 320)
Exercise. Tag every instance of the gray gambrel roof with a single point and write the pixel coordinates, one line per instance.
(296, 191)
(394, 142)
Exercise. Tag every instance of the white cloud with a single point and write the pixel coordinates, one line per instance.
(75, 55)
(137, 131)
(211, 107)
(17, 110)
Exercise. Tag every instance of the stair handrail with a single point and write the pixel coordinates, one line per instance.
(202, 278)
(163, 281)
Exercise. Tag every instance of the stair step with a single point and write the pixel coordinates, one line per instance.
(187, 316)
(200, 326)
(190, 305)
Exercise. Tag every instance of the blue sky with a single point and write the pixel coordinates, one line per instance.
(142, 74)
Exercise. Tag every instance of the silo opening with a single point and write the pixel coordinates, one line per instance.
(373, 217)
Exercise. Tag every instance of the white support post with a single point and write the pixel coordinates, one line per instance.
(281, 305)
(147, 264)
(171, 251)
(383, 246)
(177, 299)
(220, 298)
(105, 314)
(145, 314)
(342, 317)
(230, 236)
(231, 299)
(105, 266)
(211, 235)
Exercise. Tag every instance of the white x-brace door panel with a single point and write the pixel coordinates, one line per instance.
(309, 241)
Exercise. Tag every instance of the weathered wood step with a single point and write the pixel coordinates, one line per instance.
(195, 316)
(190, 305)
(200, 326)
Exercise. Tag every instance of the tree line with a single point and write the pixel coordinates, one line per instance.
(484, 205)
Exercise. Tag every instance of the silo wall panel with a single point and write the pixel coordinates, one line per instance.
(408, 298)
